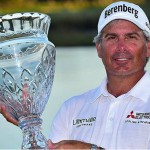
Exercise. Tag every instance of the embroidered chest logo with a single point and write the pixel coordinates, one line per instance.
(131, 115)
(84, 122)
(138, 117)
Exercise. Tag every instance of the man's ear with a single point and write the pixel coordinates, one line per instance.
(98, 47)
(148, 49)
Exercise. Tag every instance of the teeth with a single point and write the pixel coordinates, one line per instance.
(122, 59)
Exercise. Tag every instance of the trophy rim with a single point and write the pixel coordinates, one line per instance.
(24, 21)
(26, 14)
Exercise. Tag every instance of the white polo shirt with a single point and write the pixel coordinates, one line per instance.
(113, 123)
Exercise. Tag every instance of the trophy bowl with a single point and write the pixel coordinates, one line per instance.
(27, 66)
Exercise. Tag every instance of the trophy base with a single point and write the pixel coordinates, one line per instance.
(32, 135)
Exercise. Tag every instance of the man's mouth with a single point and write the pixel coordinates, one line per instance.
(122, 59)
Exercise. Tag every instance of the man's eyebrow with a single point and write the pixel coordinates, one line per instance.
(133, 33)
(115, 34)
(109, 34)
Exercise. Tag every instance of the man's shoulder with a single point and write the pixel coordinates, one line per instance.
(85, 97)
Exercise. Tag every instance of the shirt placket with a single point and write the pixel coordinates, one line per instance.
(110, 121)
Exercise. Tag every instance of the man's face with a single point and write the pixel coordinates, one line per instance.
(123, 48)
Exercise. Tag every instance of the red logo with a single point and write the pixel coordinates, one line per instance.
(131, 115)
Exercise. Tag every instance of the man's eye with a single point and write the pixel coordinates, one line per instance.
(132, 37)
(111, 38)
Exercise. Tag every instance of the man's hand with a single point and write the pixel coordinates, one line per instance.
(68, 144)
(7, 116)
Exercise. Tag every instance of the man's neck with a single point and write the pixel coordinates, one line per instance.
(118, 85)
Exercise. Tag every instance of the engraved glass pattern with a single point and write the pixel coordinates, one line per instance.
(27, 65)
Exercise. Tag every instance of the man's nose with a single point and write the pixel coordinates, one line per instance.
(121, 43)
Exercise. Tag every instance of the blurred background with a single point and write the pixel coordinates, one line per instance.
(72, 20)
(78, 69)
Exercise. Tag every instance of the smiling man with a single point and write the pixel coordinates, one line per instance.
(120, 106)
(116, 114)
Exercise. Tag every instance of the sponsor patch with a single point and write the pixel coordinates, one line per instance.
(138, 117)
(84, 122)
(121, 8)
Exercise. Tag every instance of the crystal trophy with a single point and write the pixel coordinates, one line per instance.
(27, 65)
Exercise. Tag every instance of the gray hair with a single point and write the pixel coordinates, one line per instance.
(98, 38)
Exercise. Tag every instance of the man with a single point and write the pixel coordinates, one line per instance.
(116, 114)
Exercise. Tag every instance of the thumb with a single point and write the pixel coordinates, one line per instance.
(7, 116)
(51, 145)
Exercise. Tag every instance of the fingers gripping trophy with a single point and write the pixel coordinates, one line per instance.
(27, 64)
